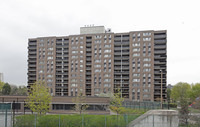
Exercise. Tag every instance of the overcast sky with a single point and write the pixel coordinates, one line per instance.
(23, 19)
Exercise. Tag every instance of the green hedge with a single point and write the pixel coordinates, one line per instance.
(74, 120)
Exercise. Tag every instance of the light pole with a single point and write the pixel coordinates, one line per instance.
(161, 97)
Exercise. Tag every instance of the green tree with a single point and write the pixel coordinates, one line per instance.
(1, 87)
(181, 92)
(80, 103)
(168, 96)
(117, 101)
(195, 95)
(14, 90)
(195, 91)
(39, 98)
(6, 89)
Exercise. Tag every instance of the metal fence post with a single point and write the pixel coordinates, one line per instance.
(126, 120)
(82, 120)
(153, 120)
(105, 121)
(6, 117)
(35, 120)
(59, 120)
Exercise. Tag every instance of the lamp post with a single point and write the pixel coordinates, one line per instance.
(161, 97)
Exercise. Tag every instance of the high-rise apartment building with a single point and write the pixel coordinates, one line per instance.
(100, 61)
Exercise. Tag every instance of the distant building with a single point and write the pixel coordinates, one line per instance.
(169, 86)
(1, 77)
(100, 61)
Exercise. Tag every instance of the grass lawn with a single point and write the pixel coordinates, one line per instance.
(74, 120)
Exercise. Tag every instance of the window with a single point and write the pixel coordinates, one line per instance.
(147, 39)
(97, 70)
(136, 49)
(136, 54)
(50, 48)
(96, 90)
(107, 80)
(107, 51)
(147, 65)
(136, 80)
(135, 44)
(136, 75)
(73, 52)
(50, 57)
(147, 59)
(107, 56)
(146, 95)
(106, 85)
(74, 85)
(97, 65)
(107, 75)
(49, 76)
(147, 34)
(107, 46)
(73, 80)
(146, 70)
(49, 80)
(97, 61)
(73, 57)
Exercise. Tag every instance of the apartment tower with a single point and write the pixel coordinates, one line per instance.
(100, 61)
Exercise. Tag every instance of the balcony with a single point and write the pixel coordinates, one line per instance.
(32, 65)
(158, 62)
(160, 47)
(88, 54)
(161, 36)
(160, 52)
(32, 47)
(160, 41)
(32, 44)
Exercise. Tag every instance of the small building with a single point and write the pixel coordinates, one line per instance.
(60, 105)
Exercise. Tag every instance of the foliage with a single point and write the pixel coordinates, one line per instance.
(39, 98)
(6, 89)
(180, 90)
(74, 120)
(123, 110)
(21, 90)
(168, 95)
(108, 94)
(172, 105)
(117, 101)
(1, 86)
(80, 103)
(195, 91)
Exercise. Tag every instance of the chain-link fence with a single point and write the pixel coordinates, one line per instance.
(147, 105)
(82, 120)
(5, 115)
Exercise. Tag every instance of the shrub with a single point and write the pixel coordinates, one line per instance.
(172, 105)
